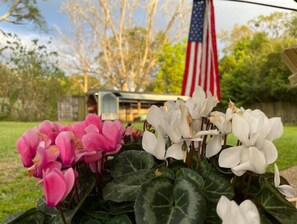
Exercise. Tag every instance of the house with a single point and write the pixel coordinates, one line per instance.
(124, 106)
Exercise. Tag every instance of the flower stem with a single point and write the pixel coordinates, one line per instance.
(225, 140)
(248, 185)
(62, 214)
(189, 159)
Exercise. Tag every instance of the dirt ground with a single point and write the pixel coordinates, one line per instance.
(291, 176)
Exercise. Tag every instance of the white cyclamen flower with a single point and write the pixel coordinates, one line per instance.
(199, 106)
(174, 122)
(223, 124)
(256, 132)
(285, 189)
(231, 213)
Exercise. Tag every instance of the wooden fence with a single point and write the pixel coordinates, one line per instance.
(72, 108)
(286, 110)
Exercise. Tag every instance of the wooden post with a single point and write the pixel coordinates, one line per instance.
(139, 108)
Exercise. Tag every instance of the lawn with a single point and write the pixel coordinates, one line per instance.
(19, 192)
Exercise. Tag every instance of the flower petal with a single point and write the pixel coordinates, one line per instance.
(94, 141)
(94, 120)
(287, 190)
(155, 115)
(149, 141)
(213, 146)
(175, 151)
(270, 152)
(153, 145)
(230, 157)
(222, 206)
(250, 211)
(276, 176)
(240, 128)
(257, 160)
(66, 145)
(54, 188)
(254, 161)
(69, 180)
(277, 128)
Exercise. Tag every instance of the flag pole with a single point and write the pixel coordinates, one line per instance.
(262, 4)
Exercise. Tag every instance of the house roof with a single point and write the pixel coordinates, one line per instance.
(124, 95)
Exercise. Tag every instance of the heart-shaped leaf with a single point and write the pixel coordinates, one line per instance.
(186, 172)
(275, 204)
(164, 201)
(120, 219)
(125, 188)
(131, 161)
(216, 185)
(32, 216)
(164, 172)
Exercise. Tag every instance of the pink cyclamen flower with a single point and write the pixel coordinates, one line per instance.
(94, 120)
(57, 185)
(113, 132)
(133, 132)
(46, 157)
(49, 130)
(27, 146)
(66, 144)
(109, 140)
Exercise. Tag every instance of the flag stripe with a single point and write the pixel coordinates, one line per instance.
(216, 82)
(201, 59)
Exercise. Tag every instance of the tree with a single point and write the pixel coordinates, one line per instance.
(31, 82)
(76, 82)
(22, 11)
(252, 69)
(171, 63)
(112, 23)
(81, 49)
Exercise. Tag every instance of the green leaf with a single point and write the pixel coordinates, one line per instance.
(276, 205)
(186, 172)
(211, 215)
(131, 146)
(216, 185)
(131, 161)
(32, 216)
(99, 215)
(165, 172)
(163, 201)
(125, 188)
(86, 190)
(52, 215)
(88, 220)
(120, 208)
(120, 219)
(12, 217)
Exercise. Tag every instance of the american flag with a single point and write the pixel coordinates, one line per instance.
(201, 58)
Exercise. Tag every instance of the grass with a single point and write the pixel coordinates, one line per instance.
(19, 192)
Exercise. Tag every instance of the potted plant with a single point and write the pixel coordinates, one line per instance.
(180, 168)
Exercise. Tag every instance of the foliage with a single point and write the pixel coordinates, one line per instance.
(76, 87)
(170, 69)
(184, 185)
(21, 12)
(252, 69)
(31, 81)
(17, 191)
(135, 41)
(129, 44)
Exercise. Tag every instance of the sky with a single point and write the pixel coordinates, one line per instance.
(227, 14)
